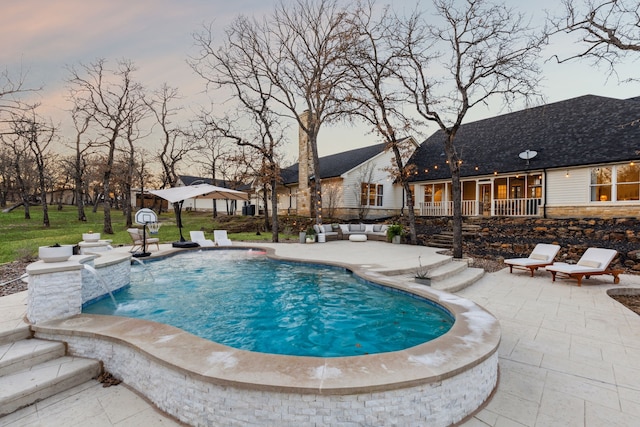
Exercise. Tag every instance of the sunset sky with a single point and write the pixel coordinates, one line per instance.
(42, 37)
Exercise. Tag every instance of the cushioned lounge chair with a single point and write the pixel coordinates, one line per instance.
(541, 256)
(594, 262)
(136, 236)
(220, 237)
(199, 238)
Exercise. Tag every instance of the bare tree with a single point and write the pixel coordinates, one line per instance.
(110, 98)
(331, 199)
(39, 136)
(373, 61)
(488, 52)
(6, 177)
(22, 163)
(212, 151)
(363, 180)
(238, 66)
(131, 135)
(300, 49)
(10, 103)
(176, 144)
(609, 29)
(81, 124)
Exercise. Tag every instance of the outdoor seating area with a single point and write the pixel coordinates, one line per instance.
(330, 232)
(594, 262)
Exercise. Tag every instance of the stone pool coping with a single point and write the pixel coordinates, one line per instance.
(473, 338)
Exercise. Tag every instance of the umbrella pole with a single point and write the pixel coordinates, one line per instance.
(178, 205)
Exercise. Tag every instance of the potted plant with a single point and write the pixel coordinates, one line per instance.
(422, 274)
(395, 233)
(311, 235)
(55, 253)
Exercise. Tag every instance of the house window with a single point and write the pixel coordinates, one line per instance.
(628, 182)
(434, 193)
(601, 184)
(371, 194)
(500, 186)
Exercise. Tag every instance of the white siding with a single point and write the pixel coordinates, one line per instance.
(392, 194)
(563, 190)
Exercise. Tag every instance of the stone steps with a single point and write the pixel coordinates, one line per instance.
(451, 276)
(33, 369)
(447, 270)
(462, 280)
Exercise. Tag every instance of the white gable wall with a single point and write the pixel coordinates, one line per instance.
(353, 178)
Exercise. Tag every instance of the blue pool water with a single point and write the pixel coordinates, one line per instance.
(244, 300)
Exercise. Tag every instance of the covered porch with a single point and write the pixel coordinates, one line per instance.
(516, 195)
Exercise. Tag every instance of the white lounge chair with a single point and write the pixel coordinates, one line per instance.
(220, 237)
(136, 236)
(199, 238)
(594, 262)
(541, 256)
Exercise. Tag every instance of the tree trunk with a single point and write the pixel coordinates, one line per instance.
(274, 212)
(43, 201)
(265, 203)
(456, 193)
(106, 207)
(126, 205)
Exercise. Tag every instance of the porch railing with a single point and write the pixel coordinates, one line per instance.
(516, 207)
(469, 208)
(506, 207)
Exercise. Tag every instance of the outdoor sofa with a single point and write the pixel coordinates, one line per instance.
(372, 231)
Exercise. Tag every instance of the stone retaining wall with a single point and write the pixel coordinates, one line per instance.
(515, 237)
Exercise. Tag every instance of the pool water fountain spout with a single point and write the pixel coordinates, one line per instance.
(95, 274)
(145, 266)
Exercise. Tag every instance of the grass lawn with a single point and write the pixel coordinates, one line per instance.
(20, 238)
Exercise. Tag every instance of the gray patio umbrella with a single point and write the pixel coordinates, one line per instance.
(177, 196)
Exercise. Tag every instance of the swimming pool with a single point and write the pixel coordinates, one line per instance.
(202, 382)
(250, 302)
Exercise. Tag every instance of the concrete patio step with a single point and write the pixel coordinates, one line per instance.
(34, 369)
(447, 270)
(25, 353)
(460, 281)
(12, 335)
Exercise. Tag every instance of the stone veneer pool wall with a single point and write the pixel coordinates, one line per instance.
(200, 401)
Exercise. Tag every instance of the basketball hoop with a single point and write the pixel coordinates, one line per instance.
(153, 227)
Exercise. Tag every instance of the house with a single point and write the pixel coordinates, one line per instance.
(573, 158)
(355, 183)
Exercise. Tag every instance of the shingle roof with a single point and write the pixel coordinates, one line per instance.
(580, 131)
(335, 164)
